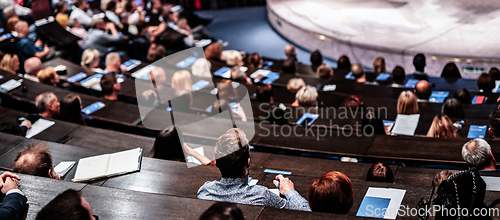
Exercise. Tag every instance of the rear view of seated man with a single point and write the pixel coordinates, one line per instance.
(477, 153)
(68, 205)
(423, 91)
(32, 66)
(47, 105)
(110, 86)
(233, 160)
(359, 73)
(113, 64)
(14, 201)
(35, 159)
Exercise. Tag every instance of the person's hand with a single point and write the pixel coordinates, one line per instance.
(285, 184)
(110, 25)
(38, 43)
(9, 174)
(188, 150)
(46, 49)
(26, 123)
(8, 184)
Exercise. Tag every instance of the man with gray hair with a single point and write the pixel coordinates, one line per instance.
(32, 66)
(477, 153)
(114, 64)
(358, 72)
(47, 105)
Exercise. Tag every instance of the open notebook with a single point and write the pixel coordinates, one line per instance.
(108, 165)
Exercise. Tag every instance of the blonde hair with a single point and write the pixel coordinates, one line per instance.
(89, 56)
(46, 75)
(442, 127)
(181, 81)
(295, 84)
(379, 66)
(201, 67)
(306, 96)
(232, 57)
(11, 23)
(8, 62)
(407, 103)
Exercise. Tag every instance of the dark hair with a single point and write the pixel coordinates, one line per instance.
(380, 172)
(419, 62)
(223, 211)
(486, 83)
(331, 193)
(254, 59)
(71, 109)
(264, 93)
(41, 163)
(344, 63)
(59, 6)
(316, 58)
(66, 206)
(108, 82)
(11, 128)
(463, 96)
(372, 123)
(110, 5)
(453, 109)
(494, 122)
(156, 53)
(398, 75)
(128, 6)
(168, 145)
(289, 66)
(276, 116)
(494, 73)
(78, 3)
(232, 153)
(451, 71)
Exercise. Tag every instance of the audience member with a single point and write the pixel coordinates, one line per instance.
(324, 71)
(372, 122)
(213, 52)
(15, 129)
(407, 103)
(398, 77)
(77, 29)
(48, 76)
(90, 61)
(158, 77)
(81, 12)
(380, 172)
(201, 68)
(71, 109)
(222, 211)
(47, 105)
(227, 94)
(371, 79)
(354, 102)
(442, 127)
(98, 37)
(343, 63)
(11, 23)
(290, 52)
(463, 96)
(10, 63)
(358, 72)
(419, 64)
(316, 60)
(294, 84)
(379, 66)
(110, 11)
(451, 71)
(306, 96)
(485, 83)
(32, 66)
(233, 160)
(14, 202)
(110, 86)
(494, 125)
(68, 205)
(255, 61)
(232, 58)
(477, 153)
(264, 93)
(25, 46)
(181, 82)
(61, 16)
(453, 109)
(156, 52)
(331, 193)
(18, 9)
(239, 76)
(35, 159)
(289, 66)
(494, 73)
(423, 91)
(9, 12)
(114, 64)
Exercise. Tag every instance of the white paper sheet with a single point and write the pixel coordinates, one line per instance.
(396, 196)
(406, 124)
(492, 183)
(124, 161)
(39, 126)
(253, 182)
(191, 159)
(92, 167)
(11, 84)
(64, 167)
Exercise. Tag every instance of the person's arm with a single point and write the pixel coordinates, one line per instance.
(293, 199)
(12, 207)
(43, 53)
(20, 10)
(204, 160)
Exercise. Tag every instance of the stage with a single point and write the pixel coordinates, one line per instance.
(462, 31)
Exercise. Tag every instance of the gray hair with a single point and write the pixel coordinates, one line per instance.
(306, 96)
(476, 153)
(357, 70)
(43, 100)
(111, 58)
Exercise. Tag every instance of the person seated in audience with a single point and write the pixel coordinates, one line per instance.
(114, 64)
(294, 84)
(463, 96)
(90, 61)
(11, 23)
(223, 210)
(398, 77)
(110, 86)
(494, 125)
(372, 122)
(67, 206)
(264, 93)
(290, 52)
(371, 79)
(255, 62)
(15, 129)
(213, 53)
(379, 66)
(324, 71)
(13, 205)
(453, 109)
(359, 73)
(380, 172)
(477, 153)
(407, 103)
(76, 28)
(81, 12)
(48, 76)
(156, 52)
(181, 82)
(316, 60)
(158, 77)
(289, 67)
(26, 46)
(47, 105)
(419, 64)
(201, 67)
(169, 145)
(35, 159)
(343, 63)
(331, 193)
(99, 38)
(61, 16)
(17, 9)
(71, 109)
(133, 15)
(233, 160)
(109, 8)
(442, 127)
(485, 83)
(494, 73)
(10, 63)
(232, 58)
(306, 97)
(354, 102)
(440, 177)
(451, 71)
(239, 76)
(227, 94)
(423, 91)
(32, 66)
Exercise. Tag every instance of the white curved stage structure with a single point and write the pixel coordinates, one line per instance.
(463, 31)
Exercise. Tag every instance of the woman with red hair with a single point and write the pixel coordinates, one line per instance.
(332, 193)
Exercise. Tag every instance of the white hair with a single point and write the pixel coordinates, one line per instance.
(306, 96)
(201, 67)
(476, 153)
(43, 100)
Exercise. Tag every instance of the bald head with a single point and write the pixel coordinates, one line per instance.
(32, 66)
(22, 28)
(423, 89)
(290, 51)
(357, 70)
(35, 159)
